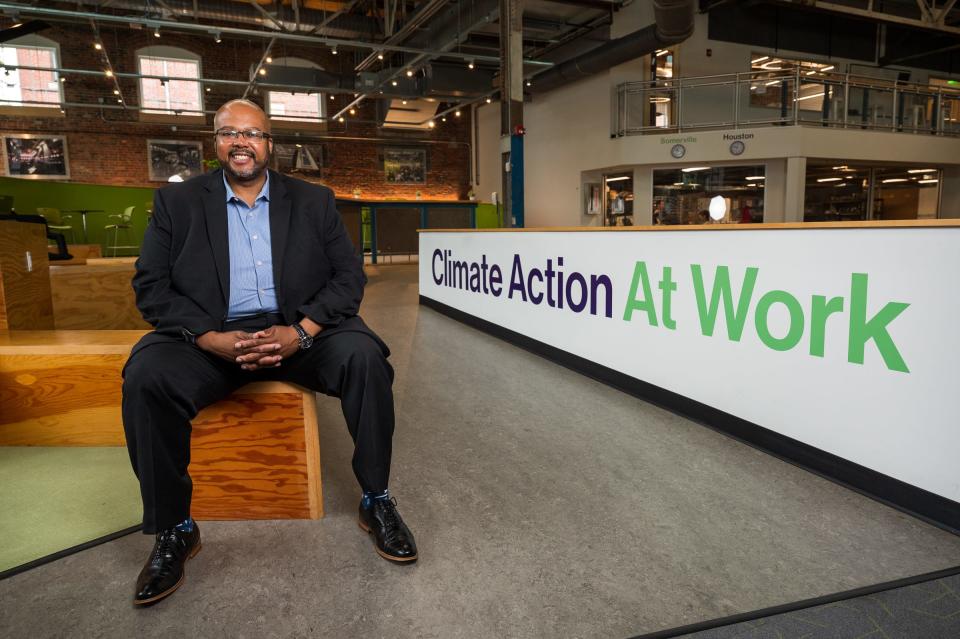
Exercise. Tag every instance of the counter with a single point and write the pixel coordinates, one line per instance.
(833, 345)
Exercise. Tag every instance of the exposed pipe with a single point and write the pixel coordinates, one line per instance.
(673, 24)
(73, 16)
(310, 20)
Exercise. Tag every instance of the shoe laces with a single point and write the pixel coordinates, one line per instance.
(389, 514)
(167, 543)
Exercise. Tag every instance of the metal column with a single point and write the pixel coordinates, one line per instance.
(511, 106)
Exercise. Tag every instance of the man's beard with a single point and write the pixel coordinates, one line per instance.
(251, 173)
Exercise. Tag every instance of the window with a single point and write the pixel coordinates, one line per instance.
(165, 94)
(682, 196)
(619, 190)
(773, 79)
(295, 107)
(661, 70)
(950, 104)
(29, 87)
(842, 192)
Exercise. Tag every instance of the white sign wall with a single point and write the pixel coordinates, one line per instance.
(844, 339)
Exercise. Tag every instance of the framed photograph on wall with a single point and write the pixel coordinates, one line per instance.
(305, 160)
(169, 158)
(405, 166)
(36, 157)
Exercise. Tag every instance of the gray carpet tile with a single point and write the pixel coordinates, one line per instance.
(929, 610)
(545, 504)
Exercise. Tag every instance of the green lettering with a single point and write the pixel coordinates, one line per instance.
(646, 304)
(795, 332)
(821, 309)
(668, 287)
(862, 331)
(721, 288)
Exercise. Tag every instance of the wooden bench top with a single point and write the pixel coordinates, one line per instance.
(68, 342)
(100, 343)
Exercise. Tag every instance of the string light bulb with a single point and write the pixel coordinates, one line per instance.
(269, 60)
(457, 113)
(108, 73)
(409, 73)
(217, 38)
(380, 56)
(431, 124)
(156, 32)
(263, 71)
(341, 119)
(470, 64)
(97, 46)
(353, 111)
(333, 50)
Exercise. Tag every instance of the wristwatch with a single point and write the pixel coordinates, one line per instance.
(306, 339)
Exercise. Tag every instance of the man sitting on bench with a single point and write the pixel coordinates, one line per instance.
(248, 275)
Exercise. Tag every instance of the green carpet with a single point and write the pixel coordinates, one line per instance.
(56, 498)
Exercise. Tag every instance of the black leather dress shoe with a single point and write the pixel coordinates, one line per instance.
(163, 572)
(394, 541)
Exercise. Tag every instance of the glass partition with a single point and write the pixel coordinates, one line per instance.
(683, 195)
(849, 192)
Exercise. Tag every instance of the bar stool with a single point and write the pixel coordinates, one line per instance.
(55, 220)
(123, 222)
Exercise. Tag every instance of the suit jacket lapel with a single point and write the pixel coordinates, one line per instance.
(279, 226)
(215, 212)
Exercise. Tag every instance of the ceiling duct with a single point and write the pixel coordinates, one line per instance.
(673, 24)
(346, 25)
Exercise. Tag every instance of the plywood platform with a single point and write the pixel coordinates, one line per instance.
(254, 455)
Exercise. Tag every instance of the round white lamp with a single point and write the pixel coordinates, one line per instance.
(718, 208)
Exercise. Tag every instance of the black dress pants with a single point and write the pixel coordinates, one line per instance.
(166, 384)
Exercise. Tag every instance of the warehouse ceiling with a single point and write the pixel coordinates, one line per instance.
(378, 41)
(884, 33)
(448, 51)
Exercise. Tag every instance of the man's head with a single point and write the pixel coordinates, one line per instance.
(243, 158)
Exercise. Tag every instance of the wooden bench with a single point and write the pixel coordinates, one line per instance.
(80, 252)
(97, 296)
(254, 455)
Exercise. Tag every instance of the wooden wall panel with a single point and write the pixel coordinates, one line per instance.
(26, 293)
(95, 297)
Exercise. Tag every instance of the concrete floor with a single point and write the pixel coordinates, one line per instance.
(545, 505)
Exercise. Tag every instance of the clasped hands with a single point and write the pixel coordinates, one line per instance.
(253, 351)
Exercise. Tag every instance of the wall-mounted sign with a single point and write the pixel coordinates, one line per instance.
(838, 353)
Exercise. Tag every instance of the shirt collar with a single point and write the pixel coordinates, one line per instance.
(264, 192)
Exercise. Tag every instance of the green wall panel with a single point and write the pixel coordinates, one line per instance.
(30, 194)
(487, 216)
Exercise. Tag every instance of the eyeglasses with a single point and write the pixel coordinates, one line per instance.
(252, 135)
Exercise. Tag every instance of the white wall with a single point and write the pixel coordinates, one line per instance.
(488, 145)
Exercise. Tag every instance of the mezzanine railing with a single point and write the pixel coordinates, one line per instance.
(794, 97)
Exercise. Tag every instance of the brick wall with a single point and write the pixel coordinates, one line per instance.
(109, 146)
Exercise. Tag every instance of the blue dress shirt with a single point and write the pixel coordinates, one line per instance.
(252, 288)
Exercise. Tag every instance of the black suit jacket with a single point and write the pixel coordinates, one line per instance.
(183, 273)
